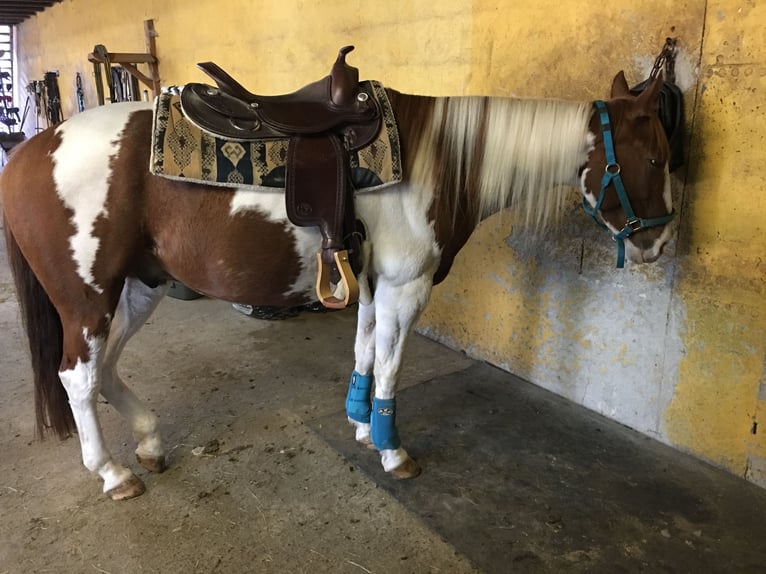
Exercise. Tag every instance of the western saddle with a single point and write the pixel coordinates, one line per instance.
(323, 121)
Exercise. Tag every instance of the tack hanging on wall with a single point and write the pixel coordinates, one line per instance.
(128, 64)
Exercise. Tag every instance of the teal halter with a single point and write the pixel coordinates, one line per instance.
(612, 176)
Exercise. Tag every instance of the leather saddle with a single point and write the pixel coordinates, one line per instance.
(323, 121)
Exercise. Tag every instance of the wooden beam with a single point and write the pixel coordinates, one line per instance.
(32, 4)
(5, 11)
(123, 58)
(139, 75)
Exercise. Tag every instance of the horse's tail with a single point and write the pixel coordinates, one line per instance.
(43, 326)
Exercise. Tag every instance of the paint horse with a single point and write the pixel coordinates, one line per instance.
(93, 239)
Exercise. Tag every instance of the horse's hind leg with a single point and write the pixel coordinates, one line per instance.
(137, 302)
(81, 374)
(94, 371)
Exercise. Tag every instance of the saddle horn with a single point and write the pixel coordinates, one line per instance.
(345, 79)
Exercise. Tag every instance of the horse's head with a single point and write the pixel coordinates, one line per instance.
(626, 183)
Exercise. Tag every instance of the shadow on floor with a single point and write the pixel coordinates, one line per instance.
(520, 480)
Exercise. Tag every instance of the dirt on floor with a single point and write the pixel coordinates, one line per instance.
(265, 476)
(250, 487)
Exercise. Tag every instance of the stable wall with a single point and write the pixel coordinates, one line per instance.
(675, 349)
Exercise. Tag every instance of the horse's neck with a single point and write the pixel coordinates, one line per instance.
(490, 153)
(478, 155)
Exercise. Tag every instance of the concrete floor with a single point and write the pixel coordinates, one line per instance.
(514, 480)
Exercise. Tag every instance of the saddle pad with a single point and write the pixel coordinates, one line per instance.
(182, 151)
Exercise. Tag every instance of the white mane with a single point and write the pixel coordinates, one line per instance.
(508, 152)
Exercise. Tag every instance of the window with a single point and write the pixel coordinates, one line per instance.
(9, 114)
(6, 49)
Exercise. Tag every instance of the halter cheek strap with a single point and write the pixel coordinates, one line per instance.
(612, 177)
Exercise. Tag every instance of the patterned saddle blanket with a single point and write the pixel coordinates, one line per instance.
(180, 150)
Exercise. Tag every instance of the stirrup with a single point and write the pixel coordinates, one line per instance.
(347, 277)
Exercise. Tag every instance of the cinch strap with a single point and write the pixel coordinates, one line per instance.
(384, 435)
(358, 406)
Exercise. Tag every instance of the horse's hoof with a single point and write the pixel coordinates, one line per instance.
(129, 489)
(408, 469)
(152, 463)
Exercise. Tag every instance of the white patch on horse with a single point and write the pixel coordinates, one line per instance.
(271, 205)
(667, 196)
(401, 252)
(82, 386)
(80, 159)
(653, 253)
(403, 239)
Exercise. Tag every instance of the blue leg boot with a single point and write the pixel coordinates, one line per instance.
(384, 434)
(358, 407)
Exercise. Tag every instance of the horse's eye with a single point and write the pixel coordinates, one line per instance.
(656, 162)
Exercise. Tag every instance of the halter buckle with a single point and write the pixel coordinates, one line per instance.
(612, 168)
(634, 224)
(631, 226)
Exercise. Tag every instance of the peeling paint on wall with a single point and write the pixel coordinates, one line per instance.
(722, 280)
(677, 350)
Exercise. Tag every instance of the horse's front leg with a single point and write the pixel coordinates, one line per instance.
(358, 400)
(81, 373)
(397, 307)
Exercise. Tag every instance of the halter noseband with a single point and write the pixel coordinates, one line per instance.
(612, 176)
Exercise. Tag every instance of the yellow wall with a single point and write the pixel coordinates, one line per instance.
(675, 350)
(722, 275)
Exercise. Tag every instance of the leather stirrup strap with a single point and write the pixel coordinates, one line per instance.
(316, 194)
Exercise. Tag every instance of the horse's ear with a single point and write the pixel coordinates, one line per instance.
(647, 100)
(620, 86)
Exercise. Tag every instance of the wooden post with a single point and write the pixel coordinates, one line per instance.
(151, 47)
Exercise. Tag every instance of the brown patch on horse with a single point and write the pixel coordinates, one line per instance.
(123, 243)
(125, 248)
(188, 233)
(245, 258)
(44, 240)
(455, 222)
(40, 318)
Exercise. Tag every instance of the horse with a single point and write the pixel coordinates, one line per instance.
(94, 238)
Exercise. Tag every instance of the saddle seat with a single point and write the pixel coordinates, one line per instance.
(336, 103)
(324, 121)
